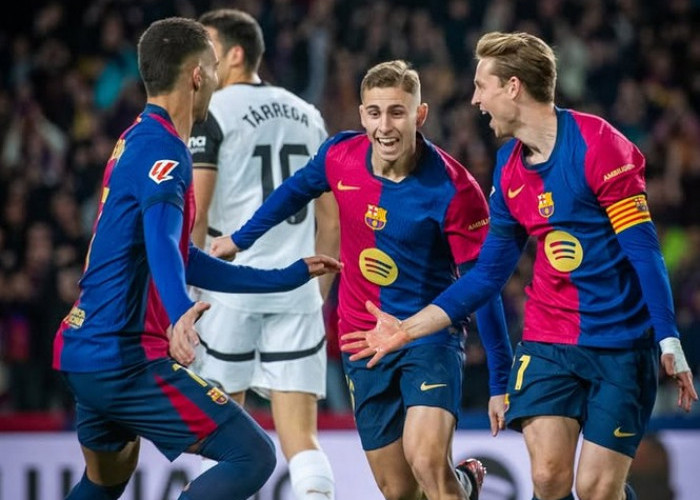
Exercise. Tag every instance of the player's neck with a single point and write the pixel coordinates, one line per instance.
(538, 132)
(179, 108)
(398, 169)
(242, 77)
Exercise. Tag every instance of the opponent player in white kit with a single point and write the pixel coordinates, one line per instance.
(256, 136)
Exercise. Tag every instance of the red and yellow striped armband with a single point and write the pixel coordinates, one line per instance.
(628, 212)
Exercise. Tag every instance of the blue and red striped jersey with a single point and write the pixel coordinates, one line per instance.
(400, 242)
(119, 318)
(584, 289)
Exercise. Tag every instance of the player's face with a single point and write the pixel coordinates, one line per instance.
(495, 99)
(391, 116)
(223, 68)
(208, 80)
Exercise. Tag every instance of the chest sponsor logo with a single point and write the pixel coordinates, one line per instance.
(160, 171)
(375, 217)
(512, 193)
(345, 187)
(377, 267)
(545, 204)
(563, 250)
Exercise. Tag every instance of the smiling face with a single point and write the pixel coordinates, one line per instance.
(391, 116)
(495, 98)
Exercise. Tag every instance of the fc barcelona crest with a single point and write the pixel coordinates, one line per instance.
(375, 217)
(545, 204)
(217, 395)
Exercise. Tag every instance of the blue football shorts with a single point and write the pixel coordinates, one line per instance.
(159, 400)
(421, 375)
(611, 392)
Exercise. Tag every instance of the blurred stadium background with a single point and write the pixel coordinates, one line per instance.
(69, 85)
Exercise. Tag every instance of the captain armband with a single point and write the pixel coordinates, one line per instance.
(628, 212)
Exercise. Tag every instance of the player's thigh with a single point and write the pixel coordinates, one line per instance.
(159, 400)
(551, 442)
(110, 468)
(601, 472)
(392, 472)
(295, 417)
(375, 394)
(292, 354)
(428, 450)
(622, 392)
(542, 382)
(227, 352)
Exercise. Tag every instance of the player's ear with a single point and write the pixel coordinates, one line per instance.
(197, 77)
(421, 114)
(361, 109)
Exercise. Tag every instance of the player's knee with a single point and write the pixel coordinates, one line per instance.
(397, 491)
(552, 479)
(600, 487)
(428, 468)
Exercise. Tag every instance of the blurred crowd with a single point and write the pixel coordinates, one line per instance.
(69, 85)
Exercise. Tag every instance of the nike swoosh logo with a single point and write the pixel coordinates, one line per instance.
(619, 434)
(512, 193)
(344, 187)
(427, 387)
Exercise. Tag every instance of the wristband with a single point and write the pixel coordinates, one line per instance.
(672, 345)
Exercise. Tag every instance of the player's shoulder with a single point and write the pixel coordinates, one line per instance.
(594, 129)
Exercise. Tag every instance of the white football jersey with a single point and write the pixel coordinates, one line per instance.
(257, 135)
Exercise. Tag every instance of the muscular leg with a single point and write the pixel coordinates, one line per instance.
(551, 443)
(601, 473)
(392, 472)
(295, 417)
(429, 453)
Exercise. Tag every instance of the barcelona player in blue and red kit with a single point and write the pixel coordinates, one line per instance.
(112, 348)
(410, 215)
(599, 305)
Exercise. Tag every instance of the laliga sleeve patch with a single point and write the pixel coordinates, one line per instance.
(160, 171)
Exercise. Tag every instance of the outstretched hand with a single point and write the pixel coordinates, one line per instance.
(322, 264)
(684, 381)
(183, 336)
(223, 247)
(385, 337)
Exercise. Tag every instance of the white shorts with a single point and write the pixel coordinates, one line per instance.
(262, 351)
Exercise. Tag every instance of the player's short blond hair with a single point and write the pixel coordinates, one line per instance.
(397, 73)
(524, 56)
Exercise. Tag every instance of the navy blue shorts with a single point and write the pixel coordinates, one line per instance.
(422, 375)
(611, 392)
(159, 400)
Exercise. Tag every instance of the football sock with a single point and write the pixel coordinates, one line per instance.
(629, 492)
(246, 459)
(87, 490)
(465, 482)
(311, 476)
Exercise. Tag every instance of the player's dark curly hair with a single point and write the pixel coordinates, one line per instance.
(164, 47)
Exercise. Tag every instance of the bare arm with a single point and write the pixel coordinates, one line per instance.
(327, 235)
(204, 180)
